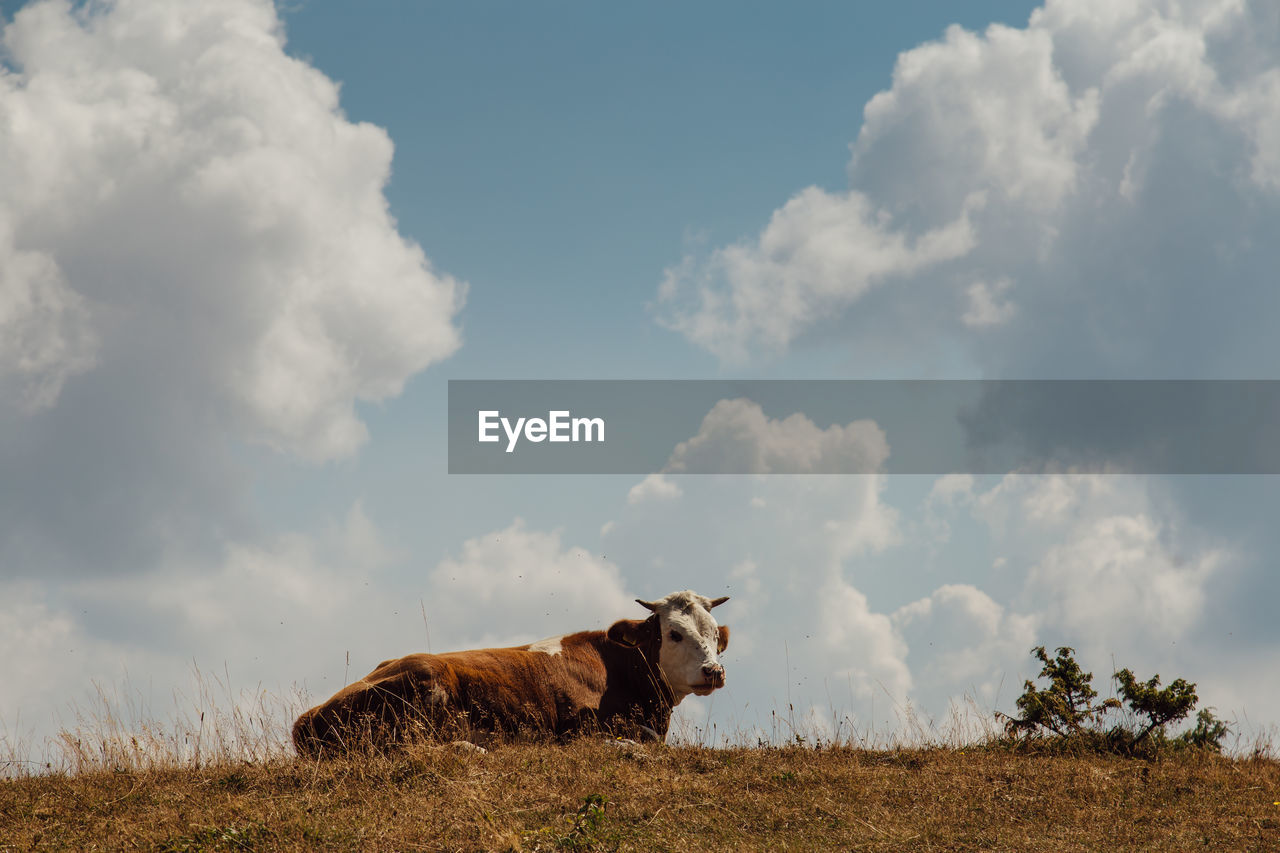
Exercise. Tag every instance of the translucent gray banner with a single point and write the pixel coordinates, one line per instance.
(863, 426)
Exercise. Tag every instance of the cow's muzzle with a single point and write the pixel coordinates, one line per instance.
(713, 673)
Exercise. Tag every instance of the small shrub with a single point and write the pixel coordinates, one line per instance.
(587, 823)
(1066, 714)
(218, 838)
(586, 826)
(1207, 734)
(1157, 706)
(1066, 706)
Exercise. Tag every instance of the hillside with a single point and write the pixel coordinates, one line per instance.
(595, 795)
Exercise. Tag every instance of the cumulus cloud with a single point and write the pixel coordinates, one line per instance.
(32, 636)
(1107, 157)
(510, 585)
(270, 613)
(654, 487)
(195, 253)
(318, 575)
(45, 335)
(951, 489)
(177, 160)
(1022, 503)
(862, 646)
(986, 308)
(818, 254)
(736, 437)
(1117, 579)
(1100, 562)
(962, 641)
(1117, 567)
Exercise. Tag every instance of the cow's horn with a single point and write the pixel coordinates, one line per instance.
(647, 605)
(715, 602)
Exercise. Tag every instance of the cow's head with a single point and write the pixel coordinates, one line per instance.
(689, 641)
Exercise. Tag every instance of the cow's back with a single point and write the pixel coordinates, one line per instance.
(515, 690)
(510, 690)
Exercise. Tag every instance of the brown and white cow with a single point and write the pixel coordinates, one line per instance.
(623, 681)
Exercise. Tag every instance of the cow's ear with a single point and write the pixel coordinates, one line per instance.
(723, 642)
(626, 632)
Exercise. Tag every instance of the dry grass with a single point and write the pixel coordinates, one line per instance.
(597, 795)
(218, 779)
(118, 731)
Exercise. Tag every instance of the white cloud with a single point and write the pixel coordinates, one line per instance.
(178, 187)
(861, 645)
(819, 253)
(317, 575)
(873, 529)
(1107, 157)
(654, 487)
(1099, 561)
(253, 590)
(44, 326)
(985, 307)
(982, 113)
(1022, 501)
(951, 489)
(33, 636)
(281, 612)
(1116, 582)
(511, 585)
(948, 491)
(736, 437)
(963, 641)
(195, 253)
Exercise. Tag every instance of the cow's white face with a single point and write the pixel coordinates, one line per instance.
(691, 642)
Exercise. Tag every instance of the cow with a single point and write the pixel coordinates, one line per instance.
(622, 682)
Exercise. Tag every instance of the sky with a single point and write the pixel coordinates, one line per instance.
(243, 248)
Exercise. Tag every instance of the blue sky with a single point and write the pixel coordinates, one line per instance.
(562, 154)
(223, 365)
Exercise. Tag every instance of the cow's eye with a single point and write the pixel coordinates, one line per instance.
(676, 636)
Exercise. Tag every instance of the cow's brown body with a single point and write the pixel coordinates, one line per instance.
(592, 683)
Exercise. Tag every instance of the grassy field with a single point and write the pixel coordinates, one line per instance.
(597, 795)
